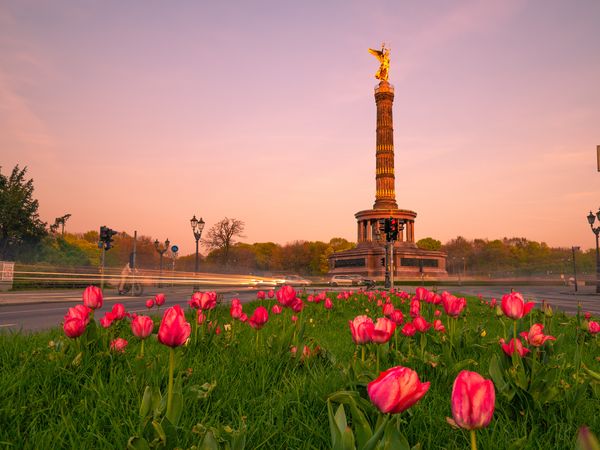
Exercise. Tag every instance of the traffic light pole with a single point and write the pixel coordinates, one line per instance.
(102, 266)
(391, 244)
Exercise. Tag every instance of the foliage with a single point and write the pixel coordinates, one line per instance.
(221, 237)
(20, 226)
(429, 244)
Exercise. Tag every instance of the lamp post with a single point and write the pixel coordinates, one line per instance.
(591, 218)
(574, 249)
(161, 250)
(197, 227)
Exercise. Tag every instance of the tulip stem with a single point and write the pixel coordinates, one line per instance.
(473, 440)
(256, 341)
(515, 329)
(170, 390)
(142, 349)
(362, 353)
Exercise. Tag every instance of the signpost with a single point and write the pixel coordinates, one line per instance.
(7, 272)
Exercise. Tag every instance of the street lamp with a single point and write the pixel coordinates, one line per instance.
(574, 249)
(161, 250)
(591, 218)
(197, 227)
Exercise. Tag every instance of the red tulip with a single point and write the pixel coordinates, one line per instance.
(297, 305)
(383, 330)
(149, 303)
(453, 305)
(174, 330)
(437, 313)
(260, 295)
(286, 295)
(388, 309)
(259, 318)
(208, 300)
(107, 320)
(81, 312)
(513, 346)
(236, 309)
(420, 324)
(271, 293)
(439, 326)
(74, 327)
(408, 329)
(118, 311)
(587, 315)
(200, 317)
(535, 336)
(328, 303)
(473, 400)
(421, 293)
(294, 318)
(514, 306)
(276, 309)
(159, 299)
(244, 317)
(142, 326)
(92, 297)
(118, 345)
(396, 390)
(397, 317)
(593, 327)
(415, 308)
(362, 329)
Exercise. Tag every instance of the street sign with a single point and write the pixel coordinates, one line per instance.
(174, 248)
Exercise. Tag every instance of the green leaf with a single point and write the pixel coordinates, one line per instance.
(371, 443)
(146, 403)
(170, 433)
(518, 444)
(209, 442)
(393, 439)
(137, 443)
(176, 407)
(586, 440)
(336, 434)
(462, 364)
(348, 439)
(159, 431)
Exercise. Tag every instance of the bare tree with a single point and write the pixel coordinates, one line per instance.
(221, 236)
(60, 221)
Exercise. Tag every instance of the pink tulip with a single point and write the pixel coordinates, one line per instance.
(587, 315)
(92, 297)
(286, 295)
(297, 305)
(208, 300)
(271, 293)
(244, 317)
(260, 295)
(142, 326)
(294, 318)
(513, 346)
(118, 311)
(493, 303)
(362, 329)
(81, 312)
(159, 299)
(415, 308)
(408, 329)
(149, 303)
(514, 306)
(439, 326)
(311, 299)
(236, 310)
(118, 345)
(593, 327)
(328, 303)
(388, 309)
(259, 318)
(276, 309)
(397, 317)
(383, 330)
(420, 324)
(421, 293)
(200, 317)
(535, 336)
(396, 390)
(174, 330)
(74, 327)
(453, 305)
(473, 400)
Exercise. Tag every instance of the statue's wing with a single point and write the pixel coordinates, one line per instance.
(377, 53)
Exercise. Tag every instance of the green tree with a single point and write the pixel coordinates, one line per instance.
(429, 244)
(221, 237)
(19, 220)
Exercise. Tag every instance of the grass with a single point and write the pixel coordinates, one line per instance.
(59, 393)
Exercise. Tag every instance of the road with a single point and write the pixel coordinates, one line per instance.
(29, 311)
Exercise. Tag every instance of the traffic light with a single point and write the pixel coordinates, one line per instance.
(109, 238)
(103, 233)
(106, 237)
(382, 262)
(393, 229)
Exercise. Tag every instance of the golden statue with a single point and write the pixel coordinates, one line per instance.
(383, 56)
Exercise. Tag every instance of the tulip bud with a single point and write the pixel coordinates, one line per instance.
(473, 400)
(174, 330)
(396, 390)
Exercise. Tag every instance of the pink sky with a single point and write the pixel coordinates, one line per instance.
(137, 115)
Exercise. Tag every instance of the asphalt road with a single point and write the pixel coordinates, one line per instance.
(28, 311)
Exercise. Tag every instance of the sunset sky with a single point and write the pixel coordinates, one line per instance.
(139, 114)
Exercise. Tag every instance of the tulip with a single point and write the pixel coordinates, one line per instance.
(74, 327)
(439, 326)
(271, 293)
(593, 327)
(92, 297)
(328, 303)
(383, 330)
(259, 318)
(260, 295)
(514, 306)
(236, 310)
(200, 318)
(362, 329)
(388, 309)
(149, 303)
(408, 329)
(397, 317)
(81, 312)
(107, 320)
(174, 330)
(453, 305)
(244, 317)
(587, 315)
(142, 326)
(420, 324)
(159, 299)
(276, 309)
(415, 308)
(473, 400)
(118, 311)
(535, 336)
(437, 313)
(118, 345)
(286, 295)
(421, 293)
(207, 300)
(514, 346)
(396, 390)
(297, 305)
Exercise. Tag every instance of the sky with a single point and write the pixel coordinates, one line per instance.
(137, 115)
